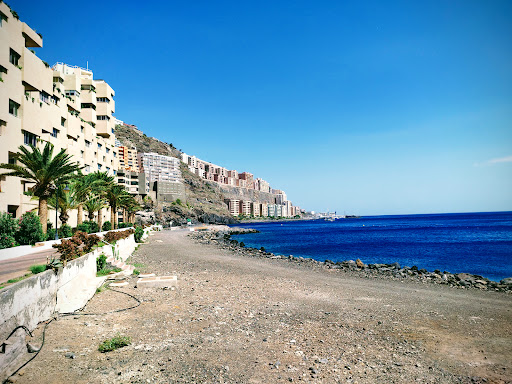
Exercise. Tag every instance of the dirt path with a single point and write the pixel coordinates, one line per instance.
(236, 319)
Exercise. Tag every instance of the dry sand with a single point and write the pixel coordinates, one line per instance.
(237, 319)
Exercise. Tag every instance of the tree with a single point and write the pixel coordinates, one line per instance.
(84, 185)
(115, 196)
(102, 183)
(94, 204)
(67, 202)
(45, 171)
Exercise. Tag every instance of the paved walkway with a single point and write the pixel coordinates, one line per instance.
(18, 266)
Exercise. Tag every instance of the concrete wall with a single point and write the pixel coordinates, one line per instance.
(39, 297)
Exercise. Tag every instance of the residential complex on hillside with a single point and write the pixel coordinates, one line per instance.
(232, 178)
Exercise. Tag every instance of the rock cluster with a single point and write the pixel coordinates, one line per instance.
(389, 271)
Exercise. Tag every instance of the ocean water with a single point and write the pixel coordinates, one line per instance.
(477, 243)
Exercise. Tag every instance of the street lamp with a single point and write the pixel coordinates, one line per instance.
(66, 189)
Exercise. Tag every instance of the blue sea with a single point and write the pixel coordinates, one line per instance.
(477, 243)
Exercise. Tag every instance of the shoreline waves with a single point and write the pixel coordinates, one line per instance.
(394, 271)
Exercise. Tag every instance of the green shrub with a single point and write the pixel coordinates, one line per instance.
(107, 226)
(31, 230)
(114, 343)
(106, 271)
(139, 232)
(65, 231)
(84, 227)
(93, 227)
(35, 269)
(124, 225)
(101, 262)
(50, 234)
(8, 227)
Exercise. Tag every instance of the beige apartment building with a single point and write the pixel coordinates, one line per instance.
(127, 158)
(62, 104)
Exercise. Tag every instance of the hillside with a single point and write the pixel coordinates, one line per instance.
(204, 204)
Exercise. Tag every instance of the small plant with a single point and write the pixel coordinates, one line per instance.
(262, 249)
(107, 271)
(31, 230)
(114, 343)
(35, 269)
(65, 231)
(242, 244)
(101, 262)
(84, 227)
(112, 236)
(139, 232)
(136, 272)
(107, 226)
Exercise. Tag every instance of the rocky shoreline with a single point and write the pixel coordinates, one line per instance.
(394, 271)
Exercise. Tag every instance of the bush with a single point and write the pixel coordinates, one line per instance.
(116, 342)
(81, 243)
(50, 234)
(84, 227)
(8, 225)
(101, 262)
(7, 241)
(107, 226)
(35, 269)
(113, 236)
(124, 225)
(93, 227)
(139, 232)
(31, 230)
(65, 231)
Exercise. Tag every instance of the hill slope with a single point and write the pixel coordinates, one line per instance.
(204, 204)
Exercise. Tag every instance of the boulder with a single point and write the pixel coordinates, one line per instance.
(506, 281)
(360, 264)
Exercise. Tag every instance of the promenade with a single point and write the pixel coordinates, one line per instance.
(237, 319)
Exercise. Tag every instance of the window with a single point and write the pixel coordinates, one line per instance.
(72, 92)
(102, 100)
(103, 117)
(104, 159)
(63, 121)
(29, 138)
(87, 168)
(13, 108)
(2, 18)
(2, 71)
(44, 96)
(58, 80)
(54, 99)
(99, 146)
(115, 154)
(88, 87)
(99, 166)
(115, 172)
(14, 57)
(88, 105)
(108, 169)
(55, 132)
(82, 129)
(87, 143)
(12, 158)
(82, 154)
(108, 150)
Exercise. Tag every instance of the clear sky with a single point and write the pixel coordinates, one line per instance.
(363, 107)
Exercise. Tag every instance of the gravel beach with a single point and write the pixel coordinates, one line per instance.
(240, 319)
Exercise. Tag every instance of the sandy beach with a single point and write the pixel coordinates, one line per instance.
(239, 319)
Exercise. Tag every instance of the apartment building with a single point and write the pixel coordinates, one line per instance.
(62, 104)
(127, 158)
(159, 167)
(233, 206)
(256, 209)
(245, 208)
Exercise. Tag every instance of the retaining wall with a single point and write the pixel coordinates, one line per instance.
(39, 297)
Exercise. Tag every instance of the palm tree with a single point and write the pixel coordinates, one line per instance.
(93, 204)
(45, 170)
(115, 196)
(103, 182)
(67, 202)
(83, 186)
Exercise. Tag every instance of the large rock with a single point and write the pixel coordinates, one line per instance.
(506, 281)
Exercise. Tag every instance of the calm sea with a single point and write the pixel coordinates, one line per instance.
(477, 243)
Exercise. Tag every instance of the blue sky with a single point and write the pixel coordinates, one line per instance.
(364, 107)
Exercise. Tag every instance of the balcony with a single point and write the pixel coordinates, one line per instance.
(35, 74)
(32, 39)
